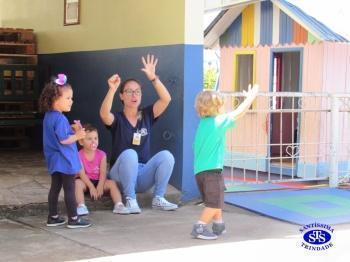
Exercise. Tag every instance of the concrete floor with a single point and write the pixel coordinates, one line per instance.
(23, 177)
(25, 184)
(151, 236)
(163, 236)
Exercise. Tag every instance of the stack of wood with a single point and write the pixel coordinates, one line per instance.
(18, 86)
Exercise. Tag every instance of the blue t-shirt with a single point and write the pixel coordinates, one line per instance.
(59, 158)
(123, 133)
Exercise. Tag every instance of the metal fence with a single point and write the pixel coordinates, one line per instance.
(290, 137)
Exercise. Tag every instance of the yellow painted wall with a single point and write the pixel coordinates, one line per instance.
(248, 26)
(105, 24)
(1, 11)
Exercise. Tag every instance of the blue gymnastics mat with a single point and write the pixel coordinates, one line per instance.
(323, 205)
(245, 187)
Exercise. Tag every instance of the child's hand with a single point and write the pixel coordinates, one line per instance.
(252, 91)
(76, 126)
(80, 134)
(244, 106)
(114, 82)
(99, 190)
(93, 193)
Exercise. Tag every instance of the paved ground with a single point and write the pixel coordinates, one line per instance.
(25, 185)
(150, 236)
(24, 178)
(162, 236)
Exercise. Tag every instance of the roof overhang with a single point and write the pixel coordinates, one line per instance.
(219, 25)
(295, 18)
(212, 5)
(231, 10)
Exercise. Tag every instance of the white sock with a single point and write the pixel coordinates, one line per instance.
(220, 221)
(201, 222)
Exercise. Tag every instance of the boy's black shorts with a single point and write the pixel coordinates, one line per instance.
(211, 186)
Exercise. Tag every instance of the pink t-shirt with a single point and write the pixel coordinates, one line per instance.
(92, 168)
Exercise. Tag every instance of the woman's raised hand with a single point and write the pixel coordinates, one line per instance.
(149, 66)
(114, 82)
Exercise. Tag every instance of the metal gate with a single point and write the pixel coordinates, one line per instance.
(290, 137)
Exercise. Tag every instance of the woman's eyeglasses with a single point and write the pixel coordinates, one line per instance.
(130, 92)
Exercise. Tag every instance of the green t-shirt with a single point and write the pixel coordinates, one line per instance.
(209, 142)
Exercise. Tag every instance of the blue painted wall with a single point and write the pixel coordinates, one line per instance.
(233, 34)
(193, 79)
(266, 23)
(180, 69)
(286, 28)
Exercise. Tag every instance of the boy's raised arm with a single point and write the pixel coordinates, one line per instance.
(244, 106)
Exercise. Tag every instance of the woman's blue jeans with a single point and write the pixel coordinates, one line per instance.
(135, 177)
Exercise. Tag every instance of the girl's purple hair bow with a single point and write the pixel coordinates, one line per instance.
(61, 79)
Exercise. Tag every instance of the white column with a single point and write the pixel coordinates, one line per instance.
(194, 15)
(333, 172)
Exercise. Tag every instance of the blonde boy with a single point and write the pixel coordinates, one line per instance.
(209, 150)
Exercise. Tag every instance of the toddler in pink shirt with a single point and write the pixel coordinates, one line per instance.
(93, 175)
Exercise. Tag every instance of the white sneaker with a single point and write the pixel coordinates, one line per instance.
(119, 208)
(132, 206)
(82, 210)
(163, 204)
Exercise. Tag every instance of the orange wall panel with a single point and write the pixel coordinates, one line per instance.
(300, 35)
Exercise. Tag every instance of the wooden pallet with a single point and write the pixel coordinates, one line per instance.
(18, 87)
(18, 82)
(17, 35)
(17, 48)
(18, 59)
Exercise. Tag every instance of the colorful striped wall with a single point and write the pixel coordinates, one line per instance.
(257, 25)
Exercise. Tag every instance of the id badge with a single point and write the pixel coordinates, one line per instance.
(136, 140)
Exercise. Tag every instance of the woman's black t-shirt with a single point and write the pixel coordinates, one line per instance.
(123, 134)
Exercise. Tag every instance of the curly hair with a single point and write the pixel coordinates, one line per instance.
(208, 103)
(51, 92)
(90, 128)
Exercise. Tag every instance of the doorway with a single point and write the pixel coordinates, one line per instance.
(286, 77)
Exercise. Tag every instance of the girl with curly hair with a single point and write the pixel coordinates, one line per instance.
(60, 150)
